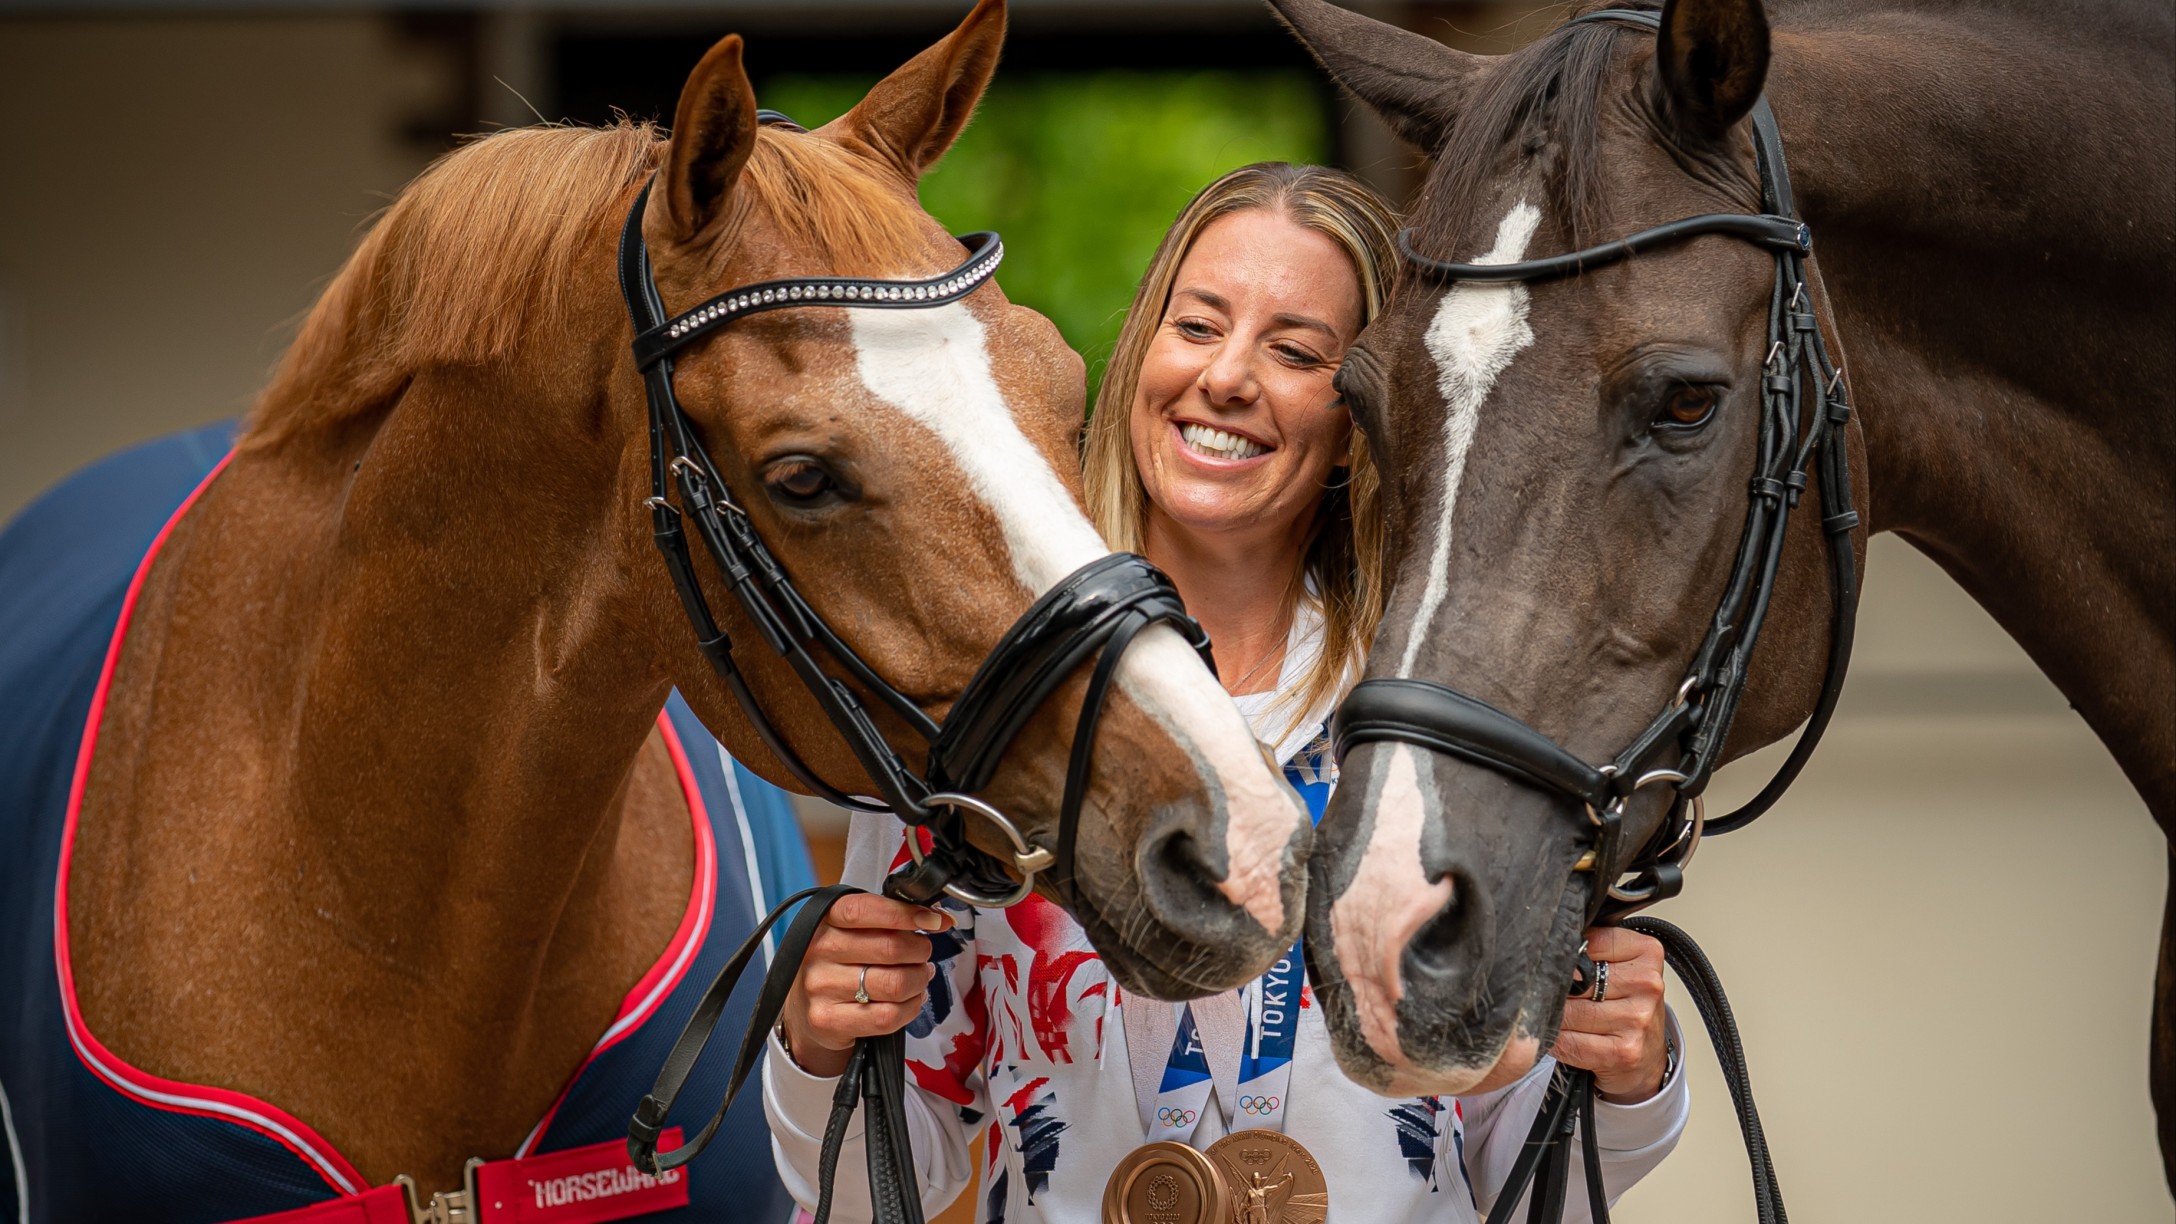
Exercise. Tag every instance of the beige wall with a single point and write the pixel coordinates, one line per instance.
(177, 190)
(1940, 947)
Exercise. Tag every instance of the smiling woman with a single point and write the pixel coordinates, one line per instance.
(1217, 420)
(1222, 449)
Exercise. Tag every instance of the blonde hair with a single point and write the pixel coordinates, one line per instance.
(1342, 568)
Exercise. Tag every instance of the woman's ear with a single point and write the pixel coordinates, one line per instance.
(713, 132)
(914, 115)
(1711, 58)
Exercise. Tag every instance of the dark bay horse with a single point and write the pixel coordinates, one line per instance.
(380, 826)
(1991, 187)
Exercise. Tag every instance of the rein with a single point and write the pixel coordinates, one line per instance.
(1804, 410)
(1100, 607)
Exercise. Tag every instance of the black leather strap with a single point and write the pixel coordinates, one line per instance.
(1781, 233)
(1051, 639)
(1544, 1162)
(687, 1049)
(1445, 720)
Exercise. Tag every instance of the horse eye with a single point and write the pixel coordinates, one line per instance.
(799, 482)
(1687, 408)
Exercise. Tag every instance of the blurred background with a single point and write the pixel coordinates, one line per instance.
(1940, 947)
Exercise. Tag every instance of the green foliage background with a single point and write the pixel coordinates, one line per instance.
(1083, 172)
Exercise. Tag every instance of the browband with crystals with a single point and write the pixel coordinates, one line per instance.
(984, 252)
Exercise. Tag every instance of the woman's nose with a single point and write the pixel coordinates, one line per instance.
(1229, 376)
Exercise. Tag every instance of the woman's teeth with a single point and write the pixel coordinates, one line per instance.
(1217, 443)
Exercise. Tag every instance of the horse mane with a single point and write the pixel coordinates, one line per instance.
(491, 246)
(1553, 85)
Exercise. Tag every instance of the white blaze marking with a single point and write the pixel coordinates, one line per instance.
(1388, 900)
(934, 365)
(1479, 327)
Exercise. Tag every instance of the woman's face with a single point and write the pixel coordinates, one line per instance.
(1235, 427)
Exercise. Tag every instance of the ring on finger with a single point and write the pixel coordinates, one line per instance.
(1601, 981)
(861, 986)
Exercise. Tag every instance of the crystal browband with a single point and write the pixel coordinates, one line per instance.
(984, 253)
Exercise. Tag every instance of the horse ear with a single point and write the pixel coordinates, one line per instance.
(1414, 82)
(1710, 60)
(713, 132)
(914, 115)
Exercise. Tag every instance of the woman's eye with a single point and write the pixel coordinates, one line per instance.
(1192, 329)
(799, 483)
(1687, 408)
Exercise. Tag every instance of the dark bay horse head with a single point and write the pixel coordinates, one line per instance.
(1566, 471)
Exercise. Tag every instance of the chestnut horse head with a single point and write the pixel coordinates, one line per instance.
(914, 472)
(1566, 465)
(918, 470)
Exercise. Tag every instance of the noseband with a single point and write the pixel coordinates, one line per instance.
(1804, 408)
(1100, 607)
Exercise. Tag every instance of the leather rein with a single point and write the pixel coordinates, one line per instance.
(1100, 607)
(1805, 407)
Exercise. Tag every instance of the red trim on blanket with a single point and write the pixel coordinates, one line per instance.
(274, 1123)
(687, 943)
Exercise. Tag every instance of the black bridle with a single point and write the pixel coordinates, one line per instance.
(1804, 410)
(1100, 607)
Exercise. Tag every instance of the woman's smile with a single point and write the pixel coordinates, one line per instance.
(1218, 448)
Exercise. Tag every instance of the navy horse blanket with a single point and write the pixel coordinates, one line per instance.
(90, 1138)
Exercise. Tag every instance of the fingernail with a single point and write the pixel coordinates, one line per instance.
(929, 920)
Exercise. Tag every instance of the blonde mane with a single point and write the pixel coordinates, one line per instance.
(491, 244)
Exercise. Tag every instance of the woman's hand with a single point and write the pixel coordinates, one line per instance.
(1622, 1039)
(866, 943)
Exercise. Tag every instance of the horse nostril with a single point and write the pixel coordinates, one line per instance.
(1177, 863)
(1448, 941)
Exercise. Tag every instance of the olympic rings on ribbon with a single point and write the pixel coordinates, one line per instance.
(1172, 1115)
(1250, 1103)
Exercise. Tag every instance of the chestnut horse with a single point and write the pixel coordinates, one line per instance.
(380, 826)
(1567, 460)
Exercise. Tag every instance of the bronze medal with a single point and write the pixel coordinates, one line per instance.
(1270, 1179)
(1167, 1183)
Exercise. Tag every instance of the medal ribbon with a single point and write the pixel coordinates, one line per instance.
(1272, 1006)
(1183, 1096)
(1273, 1000)
(1273, 1025)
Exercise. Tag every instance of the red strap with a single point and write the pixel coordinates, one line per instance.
(585, 1185)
